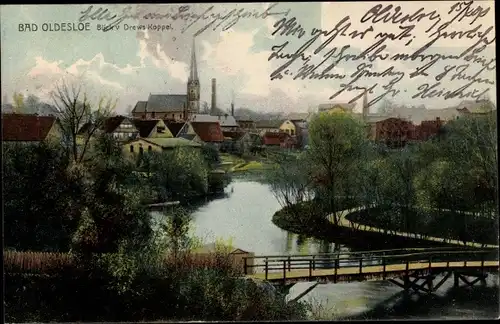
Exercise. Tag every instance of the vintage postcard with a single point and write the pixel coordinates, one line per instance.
(250, 161)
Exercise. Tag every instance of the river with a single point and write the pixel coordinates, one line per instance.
(244, 216)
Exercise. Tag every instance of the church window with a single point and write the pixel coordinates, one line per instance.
(141, 149)
(132, 148)
(292, 131)
(150, 148)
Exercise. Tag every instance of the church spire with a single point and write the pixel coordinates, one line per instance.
(193, 85)
(194, 67)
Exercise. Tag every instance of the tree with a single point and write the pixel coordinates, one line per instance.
(386, 107)
(18, 105)
(205, 109)
(290, 183)
(178, 174)
(77, 117)
(113, 216)
(336, 144)
(40, 209)
(32, 104)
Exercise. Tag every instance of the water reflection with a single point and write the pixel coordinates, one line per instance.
(244, 214)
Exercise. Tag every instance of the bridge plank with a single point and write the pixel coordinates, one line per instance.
(392, 270)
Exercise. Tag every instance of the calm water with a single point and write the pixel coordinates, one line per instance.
(244, 215)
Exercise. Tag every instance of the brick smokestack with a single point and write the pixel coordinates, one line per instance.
(365, 105)
(232, 104)
(214, 97)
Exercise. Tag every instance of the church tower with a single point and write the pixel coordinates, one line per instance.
(193, 85)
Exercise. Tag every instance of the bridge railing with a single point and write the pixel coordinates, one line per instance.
(287, 263)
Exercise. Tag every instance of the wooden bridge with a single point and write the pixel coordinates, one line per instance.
(404, 268)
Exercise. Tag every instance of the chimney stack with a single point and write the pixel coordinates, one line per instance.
(232, 104)
(365, 105)
(214, 97)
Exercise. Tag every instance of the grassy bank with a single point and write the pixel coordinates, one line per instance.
(245, 163)
(309, 219)
(443, 224)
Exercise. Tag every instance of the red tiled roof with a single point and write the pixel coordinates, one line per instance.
(274, 138)
(208, 131)
(26, 128)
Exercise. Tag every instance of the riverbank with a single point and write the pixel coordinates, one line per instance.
(246, 163)
(320, 225)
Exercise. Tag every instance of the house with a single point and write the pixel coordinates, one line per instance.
(245, 122)
(27, 128)
(121, 128)
(152, 128)
(227, 122)
(162, 106)
(174, 126)
(206, 132)
(274, 138)
(427, 129)
(156, 144)
(232, 142)
(288, 126)
(394, 131)
(268, 126)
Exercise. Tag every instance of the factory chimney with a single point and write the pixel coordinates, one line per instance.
(232, 104)
(365, 106)
(214, 98)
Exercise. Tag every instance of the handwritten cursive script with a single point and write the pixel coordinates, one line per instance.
(309, 55)
(211, 18)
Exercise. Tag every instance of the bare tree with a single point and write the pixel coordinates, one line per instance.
(205, 109)
(79, 123)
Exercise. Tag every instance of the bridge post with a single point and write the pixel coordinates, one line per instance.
(310, 269)
(407, 275)
(384, 264)
(284, 272)
(314, 262)
(289, 263)
(266, 267)
(455, 279)
(361, 264)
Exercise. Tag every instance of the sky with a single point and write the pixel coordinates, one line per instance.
(128, 65)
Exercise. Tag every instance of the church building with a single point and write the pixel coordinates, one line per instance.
(173, 106)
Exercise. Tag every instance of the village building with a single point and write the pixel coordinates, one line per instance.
(156, 144)
(202, 132)
(268, 126)
(245, 123)
(174, 126)
(227, 123)
(30, 128)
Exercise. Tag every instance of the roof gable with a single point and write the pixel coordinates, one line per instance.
(208, 131)
(272, 123)
(112, 123)
(173, 126)
(26, 128)
(145, 126)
